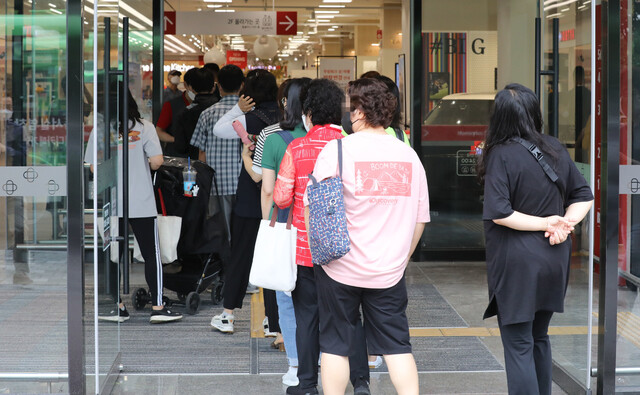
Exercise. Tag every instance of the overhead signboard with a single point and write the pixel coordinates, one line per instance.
(169, 22)
(268, 23)
(339, 69)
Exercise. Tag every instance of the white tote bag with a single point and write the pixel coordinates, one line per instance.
(169, 227)
(274, 259)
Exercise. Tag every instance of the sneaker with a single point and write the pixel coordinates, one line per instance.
(223, 322)
(252, 289)
(376, 364)
(267, 332)
(361, 387)
(291, 377)
(296, 390)
(115, 315)
(164, 315)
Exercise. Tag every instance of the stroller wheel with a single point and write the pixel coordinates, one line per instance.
(140, 298)
(216, 292)
(193, 302)
(182, 297)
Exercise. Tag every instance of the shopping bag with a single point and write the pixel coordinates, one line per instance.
(274, 260)
(169, 228)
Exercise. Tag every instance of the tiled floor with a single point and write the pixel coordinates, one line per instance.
(456, 351)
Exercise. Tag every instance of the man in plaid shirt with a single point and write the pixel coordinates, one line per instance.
(223, 155)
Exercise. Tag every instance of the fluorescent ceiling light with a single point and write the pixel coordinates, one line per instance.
(327, 12)
(331, 6)
(225, 10)
(55, 11)
(52, 5)
(217, 1)
(179, 43)
(331, 29)
(323, 20)
(335, 26)
(214, 5)
(375, 44)
(336, 1)
(558, 5)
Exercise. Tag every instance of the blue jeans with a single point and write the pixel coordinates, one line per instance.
(287, 326)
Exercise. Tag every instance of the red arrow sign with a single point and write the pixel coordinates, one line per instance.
(169, 22)
(287, 23)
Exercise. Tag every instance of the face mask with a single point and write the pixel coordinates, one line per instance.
(304, 122)
(191, 95)
(175, 80)
(346, 123)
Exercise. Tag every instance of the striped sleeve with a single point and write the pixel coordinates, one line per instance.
(262, 137)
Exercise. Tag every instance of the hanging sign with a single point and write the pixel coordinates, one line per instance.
(339, 69)
(259, 23)
(238, 58)
(169, 22)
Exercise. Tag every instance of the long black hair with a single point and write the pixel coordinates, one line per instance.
(293, 111)
(516, 113)
(261, 86)
(133, 114)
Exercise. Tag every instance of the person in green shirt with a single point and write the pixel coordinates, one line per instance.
(274, 148)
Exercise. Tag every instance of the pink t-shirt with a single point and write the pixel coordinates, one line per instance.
(385, 192)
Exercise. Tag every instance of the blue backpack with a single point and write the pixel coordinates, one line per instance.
(328, 234)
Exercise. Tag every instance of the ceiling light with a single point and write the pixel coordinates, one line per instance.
(331, 30)
(336, 1)
(375, 44)
(55, 11)
(327, 12)
(217, 1)
(214, 5)
(335, 26)
(225, 10)
(323, 20)
(52, 5)
(331, 6)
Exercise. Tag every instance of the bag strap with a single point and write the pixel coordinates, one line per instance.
(274, 216)
(164, 209)
(286, 135)
(399, 134)
(262, 116)
(313, 179)
(539, 157)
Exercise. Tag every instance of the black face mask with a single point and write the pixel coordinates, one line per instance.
(346, 123)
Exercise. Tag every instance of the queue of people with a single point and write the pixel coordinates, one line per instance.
(352, 310)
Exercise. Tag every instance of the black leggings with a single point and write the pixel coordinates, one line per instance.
(236, 274)
(146, 232)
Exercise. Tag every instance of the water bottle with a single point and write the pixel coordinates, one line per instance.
(189, 180)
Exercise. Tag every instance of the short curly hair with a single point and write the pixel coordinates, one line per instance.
(323, 99)
(373, 98)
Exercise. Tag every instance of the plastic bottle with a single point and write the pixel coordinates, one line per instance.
(189, 180)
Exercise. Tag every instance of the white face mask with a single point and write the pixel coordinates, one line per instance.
(191, 95)
(6, 114)
(304, 123)
(175, 80)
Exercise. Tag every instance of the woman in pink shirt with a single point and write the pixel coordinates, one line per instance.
(322, 110)
(387, 206)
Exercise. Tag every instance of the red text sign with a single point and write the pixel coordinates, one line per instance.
(169, 22)
(238, 58)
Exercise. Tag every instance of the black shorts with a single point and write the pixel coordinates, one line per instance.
(385, 320)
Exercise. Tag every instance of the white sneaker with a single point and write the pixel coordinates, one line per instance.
(265, 326)
(291, 377)
(223, 322)
(375, 364)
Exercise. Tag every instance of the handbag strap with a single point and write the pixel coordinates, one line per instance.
(164, 209)
(274, 216)
(539, 157)
(313, 179)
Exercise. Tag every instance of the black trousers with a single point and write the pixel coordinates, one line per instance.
(305, 305)
(527, 354)
(146, 232)
(271, 309)
(243, 239)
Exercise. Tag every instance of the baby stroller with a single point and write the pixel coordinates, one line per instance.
(203, 244)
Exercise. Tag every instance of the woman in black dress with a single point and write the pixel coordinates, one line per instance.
(527, 221)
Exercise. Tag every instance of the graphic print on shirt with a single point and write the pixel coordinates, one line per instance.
(383, 178)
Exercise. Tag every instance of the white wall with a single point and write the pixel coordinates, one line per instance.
(482, 59)
(458, 15)
(516, 40)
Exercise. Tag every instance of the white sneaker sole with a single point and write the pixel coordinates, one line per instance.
(222, 328)
(113, 319)
(157, 319)
(290, 382)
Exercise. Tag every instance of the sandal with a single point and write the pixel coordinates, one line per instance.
(278, 343)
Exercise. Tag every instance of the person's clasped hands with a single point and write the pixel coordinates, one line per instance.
(558, 229)
(246, 103)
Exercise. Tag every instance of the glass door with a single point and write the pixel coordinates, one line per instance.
(102, 157)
